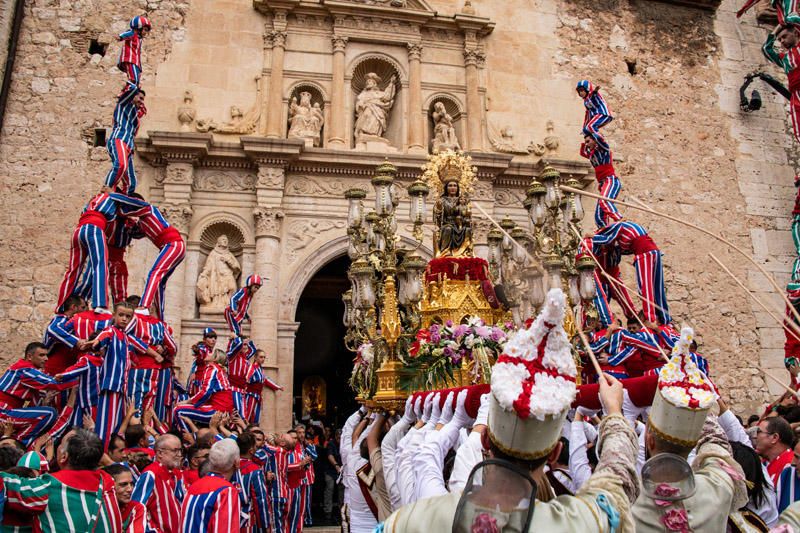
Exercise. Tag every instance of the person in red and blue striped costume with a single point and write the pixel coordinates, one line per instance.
(143, 375)
(117, 343)
(130, 57)
(171, 250)
(89, 241)
(241, 350)
(160, 487)
(595, 148)
(253, 484)
(236, 312)
(26, 381)
(637, 349)
(605, 342)
(597, 112)
(630, 238)
(212, 502)
(275, 461)
(86, 374)
(121, 234)
(128, 114)
(256, 381)
(201, 352)
(62, 344)
(213, 396)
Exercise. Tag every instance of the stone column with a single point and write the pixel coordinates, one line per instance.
(265, 92)
(416, 125)
(278, 412)
(472, 58)
(337, 138)
(275, 98)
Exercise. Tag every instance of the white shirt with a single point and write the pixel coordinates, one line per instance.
(468, 455)
(389, 449)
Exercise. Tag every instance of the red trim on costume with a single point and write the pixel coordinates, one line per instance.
(166, 236)
(601, 172)
(93, 218)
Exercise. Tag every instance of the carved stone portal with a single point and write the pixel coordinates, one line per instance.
(217, 281)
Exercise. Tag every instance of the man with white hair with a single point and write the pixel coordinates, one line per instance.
(212, 503)
(160, 488)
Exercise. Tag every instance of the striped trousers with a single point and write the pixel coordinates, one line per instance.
(606, 212)
(619, 294)
(796, 240)
(110, 413)
(252, 404)
(168, 259)
(134, 72)
(142, 388)
(29, 422)
(122, 175)
(234, 325)
(88, 241)
(239, 402)
(604, 312)
(118, 280)
(308, 519)
(650, 279)
(197, 415)
(297, 509)
(594, 124)
(163, 404)
(279, 511)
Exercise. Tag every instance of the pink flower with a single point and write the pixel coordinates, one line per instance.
(676, 520)
(485, 523)
(665, 490)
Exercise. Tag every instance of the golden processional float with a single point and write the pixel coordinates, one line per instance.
(421, 325)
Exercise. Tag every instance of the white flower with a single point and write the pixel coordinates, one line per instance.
(550, 395)
(507, 381)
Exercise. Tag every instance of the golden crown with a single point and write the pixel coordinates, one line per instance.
(450, 166)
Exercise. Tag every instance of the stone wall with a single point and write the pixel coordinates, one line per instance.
(670, 73)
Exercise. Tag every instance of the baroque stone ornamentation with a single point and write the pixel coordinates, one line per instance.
(187, 111)
(270, 177)
(507, 197)
(309, 187)
(301, 233)
(179, 216)
(179, 173)
(504, 142)
(372, 109)
(551, 142)
(268, 221)
(225, 181)
(305, 119)
(217, 281)
(239, 123)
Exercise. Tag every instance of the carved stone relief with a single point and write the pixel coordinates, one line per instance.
(217, 281)
(225, 181)
(270, 177)
(179, 216)
(509, 198)
(239, 122)
(301, 233)
(268, 221)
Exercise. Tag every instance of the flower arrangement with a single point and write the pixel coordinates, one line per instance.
(440, 349)
(362, 377)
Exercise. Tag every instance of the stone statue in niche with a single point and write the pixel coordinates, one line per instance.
(217, 281)
(372, 110)
(444, 133)
(305, 119)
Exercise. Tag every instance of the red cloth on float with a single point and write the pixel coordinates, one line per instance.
(641, 391)
(457, 268)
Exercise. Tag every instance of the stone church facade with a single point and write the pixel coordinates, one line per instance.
(251, 133)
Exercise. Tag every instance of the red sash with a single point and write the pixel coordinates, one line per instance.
(237, 381)
(794, 80)
(61, 357)
(167, 236)
(222, 401)
(643, 244)
(366, 469)
(93, 218)
(601, 172)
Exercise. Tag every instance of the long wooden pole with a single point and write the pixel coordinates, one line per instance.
(779, 382)
(652, 211)
(756, 299)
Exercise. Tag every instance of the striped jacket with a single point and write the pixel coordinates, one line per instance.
(153, 332)
(135, 519)
(628, 237)
(239, 355)
(127, 116)
(117, 343)
(68, 500)
(152, 223)
(276, 460)
(254, 485)
(24, 382)
(211, 506)
(240, 303)
(86, 372)
(161, 491)
(214, 390)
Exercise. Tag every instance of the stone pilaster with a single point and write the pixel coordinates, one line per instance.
(179, 217)
(278, 413)
(416, 126)
(337, 136)
(263, 83)
(275, 97)
(473, 59)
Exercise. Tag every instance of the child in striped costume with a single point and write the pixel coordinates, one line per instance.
(85, 374)
(143, 377)
(213, 396)
(122, 233)
(256, 381)
(236, 312)
(598, 152)
(597, 112)
(130, 57)
(240, 351)
(128, 115)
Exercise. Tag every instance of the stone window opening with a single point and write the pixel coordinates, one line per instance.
(99, 138)
(631, 63)
(96, 47)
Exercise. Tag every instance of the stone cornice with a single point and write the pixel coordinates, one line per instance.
(251, 152)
